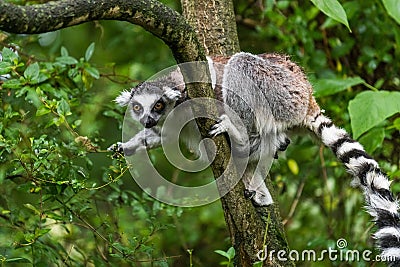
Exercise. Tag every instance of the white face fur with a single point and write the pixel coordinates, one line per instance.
(147, 105)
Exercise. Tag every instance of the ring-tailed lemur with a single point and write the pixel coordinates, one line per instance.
(290, 102)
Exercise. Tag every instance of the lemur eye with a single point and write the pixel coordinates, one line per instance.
(159, 106)
(136, 107)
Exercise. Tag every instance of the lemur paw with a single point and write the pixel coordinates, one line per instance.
(172, 94)
(262, 200)
(249, 194)
(116, 148)
(221, 126)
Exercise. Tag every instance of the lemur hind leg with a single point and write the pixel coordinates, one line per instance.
(255, 173)
(256, 189)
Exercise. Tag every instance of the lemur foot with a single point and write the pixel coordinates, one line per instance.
(261, 200)
(221, 126)
(258, 198)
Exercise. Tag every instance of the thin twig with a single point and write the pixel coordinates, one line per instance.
(97, 233)
(295, 202)
(325, 175)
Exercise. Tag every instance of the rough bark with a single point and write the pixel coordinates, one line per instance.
(214, 23)
(217, 30)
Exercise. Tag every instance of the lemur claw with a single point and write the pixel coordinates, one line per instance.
(221, 126)
(117, 148)
(283, 146)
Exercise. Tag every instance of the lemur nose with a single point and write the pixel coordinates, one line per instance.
(150, 122)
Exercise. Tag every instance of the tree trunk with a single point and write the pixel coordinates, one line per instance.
(214, 23)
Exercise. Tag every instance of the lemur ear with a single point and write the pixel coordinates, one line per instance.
(124, 98)
(177, 79)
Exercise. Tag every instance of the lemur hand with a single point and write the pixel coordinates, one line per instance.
(116, 148)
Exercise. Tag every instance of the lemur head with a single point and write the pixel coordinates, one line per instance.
(150, 101)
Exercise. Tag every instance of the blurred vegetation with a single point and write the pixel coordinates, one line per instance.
(65, 201)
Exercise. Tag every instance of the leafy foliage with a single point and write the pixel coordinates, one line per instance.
(369, 109)
(47, 164)
(333, 9)
(64, 201)
(393, 9)
(229, 255)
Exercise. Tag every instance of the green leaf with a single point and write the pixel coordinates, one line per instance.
(369, 108)
(222, 253)
(54, 216)
(5, 67)
(92, 72)
(64, 52)
(333, 9)
(19, 260)
(31, 207)
(42, 110)
(9, 56)
(112, 114)
(393, 9)
(41, 232)
(373, 139)
(47, 38)
(396, 124)
(33, 98)
(11, 84)
(324, 87)
(67, 60)
(231, 252)
(31, 73)
(89, 52)
(63, 108)
(77, 123)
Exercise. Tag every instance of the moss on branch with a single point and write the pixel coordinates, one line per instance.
(152, 15)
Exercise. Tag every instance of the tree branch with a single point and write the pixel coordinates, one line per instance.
(248, 225)
(152, 15)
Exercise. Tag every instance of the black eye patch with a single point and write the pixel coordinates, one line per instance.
(159, 106)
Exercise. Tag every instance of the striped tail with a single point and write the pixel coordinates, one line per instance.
(374, 183)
